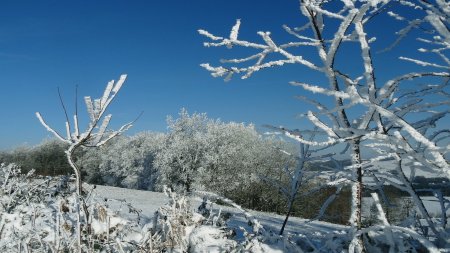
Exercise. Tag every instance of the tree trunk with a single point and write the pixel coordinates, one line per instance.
(78, 192)
(357, 187)
(290, 205)
(69, 154)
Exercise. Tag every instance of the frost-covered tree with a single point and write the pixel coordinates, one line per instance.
(226, 149)
(298, 174)
(224, 157)
(236, 154)
(237, 158)
(128, 161)
(371, 110)
(182, 152)
(95, 135)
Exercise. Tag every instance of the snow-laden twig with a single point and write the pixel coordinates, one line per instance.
(423, 63)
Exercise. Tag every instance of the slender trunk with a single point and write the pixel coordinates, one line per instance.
(58, 227)
(355, 218)
(188, 183)
(79, 225)
(290, 205)
(440, 198)
(78, 192)
(294, 192)
(76, 170)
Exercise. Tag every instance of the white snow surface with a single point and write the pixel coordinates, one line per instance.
(211, 238)
(146, 201)
(149, 202)
(431, 204)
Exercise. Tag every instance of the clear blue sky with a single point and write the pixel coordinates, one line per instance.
(46, 44)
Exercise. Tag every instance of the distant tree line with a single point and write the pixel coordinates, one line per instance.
(197, 153)
(47, 158)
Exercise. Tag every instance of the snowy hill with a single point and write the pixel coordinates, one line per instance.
(316, 233)
(149, 202)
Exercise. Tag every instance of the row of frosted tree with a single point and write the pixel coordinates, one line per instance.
(197, 153)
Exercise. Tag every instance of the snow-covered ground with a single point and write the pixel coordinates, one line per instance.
(149, 202)
(126, 218)
(433, 206)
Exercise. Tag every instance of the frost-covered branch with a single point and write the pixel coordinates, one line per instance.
(269, 47)
(393, 119)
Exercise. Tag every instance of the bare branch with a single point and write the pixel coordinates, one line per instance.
(56, 134)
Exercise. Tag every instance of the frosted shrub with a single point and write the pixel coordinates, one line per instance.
(22, 203)
(255, 238)
(171, 220)
(126, 161)
(177, 227)
(40, 215)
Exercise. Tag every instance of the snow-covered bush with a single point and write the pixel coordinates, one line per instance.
(181, 155)
(201, 153)
(26, 210)
(176, 227)
(19, 156)
(254, 237)
(172, 221)
(41, 215)
(236, 158)
(126, 161)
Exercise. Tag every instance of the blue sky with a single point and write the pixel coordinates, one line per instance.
(50, 44)
(46, 44)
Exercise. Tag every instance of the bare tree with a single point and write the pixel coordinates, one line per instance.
(299, 174)
(95, 135)
(385, 123)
